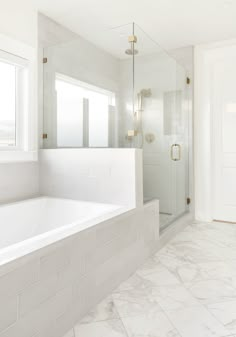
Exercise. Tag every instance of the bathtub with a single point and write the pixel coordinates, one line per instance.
(60, 257)
(32, 224)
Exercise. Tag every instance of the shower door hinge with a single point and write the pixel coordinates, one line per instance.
(45, 136)
(188, 80)
(45, 60)
(188, 201)
(132, 38)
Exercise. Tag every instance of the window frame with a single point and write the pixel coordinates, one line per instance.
(24, 57)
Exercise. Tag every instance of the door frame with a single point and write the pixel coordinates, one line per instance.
(204, 161)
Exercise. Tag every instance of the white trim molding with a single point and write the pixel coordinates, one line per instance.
(203, 126)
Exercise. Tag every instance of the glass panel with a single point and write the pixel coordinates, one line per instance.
(128, 93)
(161, 124)
(98, 120)
(7, 104)
(69, 114)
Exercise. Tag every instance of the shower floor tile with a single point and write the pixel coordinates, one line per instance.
(188, 289)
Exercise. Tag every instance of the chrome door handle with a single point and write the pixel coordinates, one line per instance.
(172, 152)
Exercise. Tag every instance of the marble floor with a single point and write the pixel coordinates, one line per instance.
(188, 289)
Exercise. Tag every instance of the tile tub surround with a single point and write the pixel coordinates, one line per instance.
(44, 294)
(109, 175)
(187, 289)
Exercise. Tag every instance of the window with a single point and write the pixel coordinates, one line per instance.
(85, 114)
(13, 101)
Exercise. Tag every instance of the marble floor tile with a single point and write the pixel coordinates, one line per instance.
(110, 328)
(187, 289)
(136, 302)
(150, 325)
(197, 251)
(174, 297)
(158, 275)
(183, 270)
(150, 264)
(103, 311)
(197, 322)
(136, 281)
(225, 312)
(70, 333)
(212, 291)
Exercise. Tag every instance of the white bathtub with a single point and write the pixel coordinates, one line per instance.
(58, 258)
(31, 224)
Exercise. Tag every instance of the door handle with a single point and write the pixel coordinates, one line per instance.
(172, 152)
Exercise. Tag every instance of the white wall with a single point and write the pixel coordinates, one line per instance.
(18, 20)
(101, 175)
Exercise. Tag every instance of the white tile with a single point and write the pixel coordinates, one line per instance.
(196, 322)
(17, 280)
(37, 294)
(225, 312)
(8, 312)
(213, 291)
(150, 325)
(70, 333)
(134, 282)
(183, 270)
(103, 311)
(135, 302)
(110, 328)
(54, 262)
(42, 317)
(173, 297)
(158, 275)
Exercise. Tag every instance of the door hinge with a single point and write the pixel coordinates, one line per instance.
(188, 201)
(188, 80)
(45, 60)
(45, 136)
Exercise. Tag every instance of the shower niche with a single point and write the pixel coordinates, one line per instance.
(120, 90)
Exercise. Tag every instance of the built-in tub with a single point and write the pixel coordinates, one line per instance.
(28, 223)
(59, 257)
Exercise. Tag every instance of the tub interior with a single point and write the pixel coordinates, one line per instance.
(30, 218)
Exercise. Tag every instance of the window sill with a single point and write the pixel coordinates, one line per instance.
(18, 156)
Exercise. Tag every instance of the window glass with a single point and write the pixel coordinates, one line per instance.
(83, 114)
(7, 104)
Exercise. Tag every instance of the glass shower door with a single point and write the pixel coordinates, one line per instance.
(161, 110)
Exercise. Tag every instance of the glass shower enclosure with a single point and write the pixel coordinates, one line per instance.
(140, 100)
(154, 115)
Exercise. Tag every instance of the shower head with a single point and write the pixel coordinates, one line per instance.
(131, 51)
(143, 93)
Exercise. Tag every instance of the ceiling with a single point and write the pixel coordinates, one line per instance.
(172, 23)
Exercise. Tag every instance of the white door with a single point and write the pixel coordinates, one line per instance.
(224, 134)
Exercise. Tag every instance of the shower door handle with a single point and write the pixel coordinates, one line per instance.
(173, 152)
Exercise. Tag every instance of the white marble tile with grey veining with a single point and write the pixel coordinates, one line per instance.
(158, 275)
(70, 333)
(103, 311)
(136, 302)
(197, 322)
(150, 325)
(109, 328)
(136, 281)
(212, 291)
(174, 297)
(225, 312)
